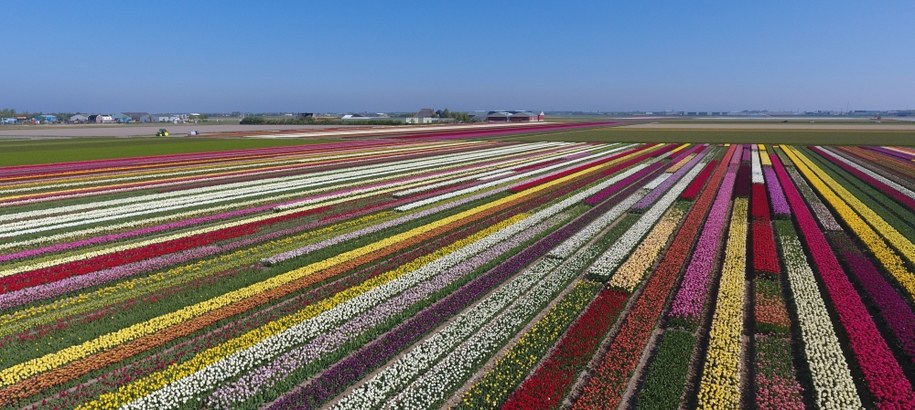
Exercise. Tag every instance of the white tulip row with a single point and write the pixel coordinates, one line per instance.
(657, 181)
(181, 199)
(324, 200)
(397, 375)
(207, 378)
(903, 190)
(607, 263)
(756, 171)
(448, 374)
(819, 208)
(833, 386)
(170, 174)
(575, 242)
(322, 176)
(502, 181)
(476, 158)
(293, 158)
(494, 174)
(184, 215)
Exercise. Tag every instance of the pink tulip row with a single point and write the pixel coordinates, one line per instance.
(690, 298)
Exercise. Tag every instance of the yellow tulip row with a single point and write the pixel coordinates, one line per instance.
(719, 387)
(842, 202)
(632, 271)
(764, 156)
(681, 163)
(896, 239)
(128, 289)
(152, 382)
(50, 361)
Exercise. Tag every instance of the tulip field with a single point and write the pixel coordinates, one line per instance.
(411, 273)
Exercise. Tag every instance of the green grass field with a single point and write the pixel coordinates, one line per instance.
(23, 152)
(797, 137)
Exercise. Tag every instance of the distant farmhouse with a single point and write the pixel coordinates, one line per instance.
(100, 119)
(78, 119)
(139, 116)
(423, 116)
(174, 119)
(366, 116)
(513, 116)
(44, 119)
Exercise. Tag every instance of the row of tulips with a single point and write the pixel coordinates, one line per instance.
(694, 188)
(607, 263)
(303, 357)
(883, 375)
(756, 163)
(639, 263)
(550, 382)
(720, 386)
(381, 387)
(868, 226)
(511, 369)
(437, 384)
(691, 297)
(607, 381)
(833, 386)
(351, 368)
(209, 368)
(137, 206)
(385, 244)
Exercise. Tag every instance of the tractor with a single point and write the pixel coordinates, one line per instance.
(162, 132)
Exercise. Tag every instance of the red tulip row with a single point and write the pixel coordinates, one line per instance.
(759, 204)
(765, 256)
(92, 264)
(570, 171)
(546, 387)
(695, 187)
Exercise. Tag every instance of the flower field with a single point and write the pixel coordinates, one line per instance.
(448, 272)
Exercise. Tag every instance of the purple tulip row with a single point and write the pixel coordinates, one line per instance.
(280, 257)
(776, 195)
(691, 296)
(898, 316)
(648, 200)
(617, 187)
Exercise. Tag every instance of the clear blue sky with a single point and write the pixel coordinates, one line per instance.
(175, 56)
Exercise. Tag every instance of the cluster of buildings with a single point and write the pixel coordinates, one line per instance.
(116, 118)
(429, 116)
(513, 116)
